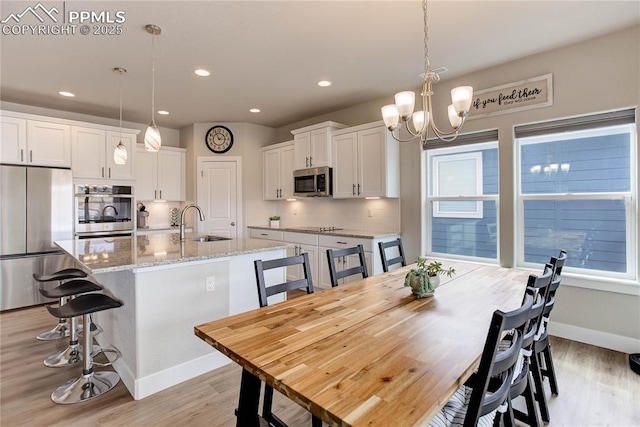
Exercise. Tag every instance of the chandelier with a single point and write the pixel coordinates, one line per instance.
(422, 120)
(152, 140)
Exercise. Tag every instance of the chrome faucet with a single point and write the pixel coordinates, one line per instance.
(107, 207)
(182, 215)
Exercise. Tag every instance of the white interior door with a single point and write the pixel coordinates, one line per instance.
(218, 198)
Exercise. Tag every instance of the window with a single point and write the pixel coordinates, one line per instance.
(462, 197)
(576, 191)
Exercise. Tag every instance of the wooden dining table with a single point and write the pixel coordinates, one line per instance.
(368, 353)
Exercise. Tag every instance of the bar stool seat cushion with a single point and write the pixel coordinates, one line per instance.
(85, 304)
(66, 274)
(73, 287)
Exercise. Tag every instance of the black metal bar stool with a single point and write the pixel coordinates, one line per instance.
(91, 384)
(71, 355)
(62, 329)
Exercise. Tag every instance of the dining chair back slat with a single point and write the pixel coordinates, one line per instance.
(335, 274)
(388, 262)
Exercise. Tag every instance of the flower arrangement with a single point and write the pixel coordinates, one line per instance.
(424, 279)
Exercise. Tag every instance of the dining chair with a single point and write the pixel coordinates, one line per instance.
(522, 383)
(542, 363)
(264, 292)
(340, 255)
(386, 262)
(484, 399)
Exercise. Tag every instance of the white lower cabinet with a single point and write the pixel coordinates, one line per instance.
(338, 242)
(302, 242)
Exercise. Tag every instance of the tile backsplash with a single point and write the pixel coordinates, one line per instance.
(359, 214)
(160, 213)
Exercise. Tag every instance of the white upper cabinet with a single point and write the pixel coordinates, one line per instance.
(93, 153)
(366, 162)
(312, 145)
(160, 175)
(278, 166)
(14, 140)
(34, 142)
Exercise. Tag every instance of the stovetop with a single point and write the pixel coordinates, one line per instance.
(318, 229)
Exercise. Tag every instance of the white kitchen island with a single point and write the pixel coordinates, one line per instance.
(167, 288)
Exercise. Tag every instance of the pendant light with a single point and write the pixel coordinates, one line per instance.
(398, 114)
(120, 153)
(152, 140)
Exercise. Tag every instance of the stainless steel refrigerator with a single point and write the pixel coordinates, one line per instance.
(36, 207)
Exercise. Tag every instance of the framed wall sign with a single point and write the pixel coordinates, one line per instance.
(535, 92)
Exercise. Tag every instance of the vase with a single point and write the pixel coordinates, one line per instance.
(274, 224)
(416, 287)
(435, 281)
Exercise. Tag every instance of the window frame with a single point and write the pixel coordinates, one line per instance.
(460, 149)
(628, 197)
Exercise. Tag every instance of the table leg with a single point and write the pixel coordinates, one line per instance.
(247, 413)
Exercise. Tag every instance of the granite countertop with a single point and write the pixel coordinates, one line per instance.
(129, 253)
(364, 234)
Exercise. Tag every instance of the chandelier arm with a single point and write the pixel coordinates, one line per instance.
(397, 138)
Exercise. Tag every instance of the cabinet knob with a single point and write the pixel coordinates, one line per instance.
(233, 224)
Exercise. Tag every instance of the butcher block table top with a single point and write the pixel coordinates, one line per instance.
(369, 352)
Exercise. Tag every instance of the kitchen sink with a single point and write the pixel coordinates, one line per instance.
(208, 238)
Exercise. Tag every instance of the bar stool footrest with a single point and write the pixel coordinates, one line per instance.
(105, 351)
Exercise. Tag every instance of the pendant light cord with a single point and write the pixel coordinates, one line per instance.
(120, 105)
(153, 77)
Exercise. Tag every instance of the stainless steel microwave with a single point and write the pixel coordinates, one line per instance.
(313, 182)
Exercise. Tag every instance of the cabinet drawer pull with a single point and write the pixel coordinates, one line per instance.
(341, 243)
(160, 194)
(358, 189)
(263, 234)
(103, 171)
(31, 156)
(310, 161)
(22, 155)
(354, 189)
(109, 172)
(155, 194)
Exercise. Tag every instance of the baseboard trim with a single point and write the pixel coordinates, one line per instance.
(597, 338)
(162, 380)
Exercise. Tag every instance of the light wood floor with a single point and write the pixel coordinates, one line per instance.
(597, 388)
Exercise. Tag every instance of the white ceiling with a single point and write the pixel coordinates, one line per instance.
(270, 54)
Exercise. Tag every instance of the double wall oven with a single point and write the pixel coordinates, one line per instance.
(103, 210)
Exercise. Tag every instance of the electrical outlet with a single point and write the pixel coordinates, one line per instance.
(295, 211)
(370, 212)
(210, 284)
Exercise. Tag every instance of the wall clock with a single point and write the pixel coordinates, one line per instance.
(219, 139)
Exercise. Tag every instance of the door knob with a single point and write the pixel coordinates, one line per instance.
(233, 224)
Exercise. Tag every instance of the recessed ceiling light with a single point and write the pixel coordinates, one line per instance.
(163, 112)
(324, 83)
(202, 72)
(254, 110)
(67, 94)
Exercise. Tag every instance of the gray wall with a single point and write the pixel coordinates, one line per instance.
(593, 76)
